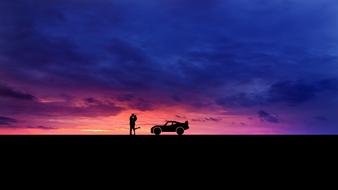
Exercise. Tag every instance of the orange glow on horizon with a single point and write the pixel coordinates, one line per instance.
(119, 124)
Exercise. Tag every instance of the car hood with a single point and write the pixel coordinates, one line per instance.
(157, 126)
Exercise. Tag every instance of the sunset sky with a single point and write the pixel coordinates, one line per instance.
(226, 66)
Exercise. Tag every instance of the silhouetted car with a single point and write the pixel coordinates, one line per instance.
(170, 126)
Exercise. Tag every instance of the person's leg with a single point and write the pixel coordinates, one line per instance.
(133, 128)
(130, 130)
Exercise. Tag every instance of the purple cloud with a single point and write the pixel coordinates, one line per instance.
(8, 92)
(265, 116)
(206, 119)
(7, 121)
(41, 127)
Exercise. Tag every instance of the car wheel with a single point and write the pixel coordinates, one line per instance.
(157, 131)
(180, 131)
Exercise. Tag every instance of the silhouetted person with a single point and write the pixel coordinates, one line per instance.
(132, 120)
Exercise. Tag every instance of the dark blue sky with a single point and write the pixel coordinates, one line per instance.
(275, 59)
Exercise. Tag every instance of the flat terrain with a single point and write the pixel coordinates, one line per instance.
(172, 141)
(177, 151)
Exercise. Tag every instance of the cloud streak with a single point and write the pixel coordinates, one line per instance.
(265, 116)
(7, 121)
(8, 92)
